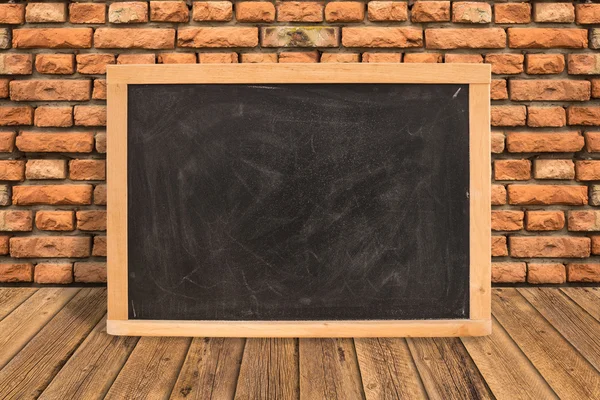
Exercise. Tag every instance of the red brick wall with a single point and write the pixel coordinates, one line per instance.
(545, 111)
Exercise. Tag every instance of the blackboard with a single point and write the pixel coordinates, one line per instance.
(304, 201)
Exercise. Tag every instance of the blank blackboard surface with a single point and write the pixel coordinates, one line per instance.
(298, 201)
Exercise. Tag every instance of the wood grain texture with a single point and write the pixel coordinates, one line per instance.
(574, 323)
(567, 372)
(505, 368)
(269, 370)
(387, 369)
(329, 370)
(446, 369)
(587, 298)
(11, 298)
(151, 370)
(91, 370)
(32, 369)
(210, 370)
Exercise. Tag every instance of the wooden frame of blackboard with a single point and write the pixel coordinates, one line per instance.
(477, 76)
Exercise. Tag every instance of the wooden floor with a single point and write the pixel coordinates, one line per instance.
(545, 345)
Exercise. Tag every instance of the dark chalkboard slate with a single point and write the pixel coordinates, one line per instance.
(309, 201)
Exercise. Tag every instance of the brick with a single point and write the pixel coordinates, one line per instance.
(545, 220)
(12, 116)
(49, 116)
(465, 38)
(595, 38)
(87, 13)
(7, 141)
(512, 13)
(544, 273)
(50, 90)
(471, 12)
(553, 12)
(218, 37)
(52, 38)
(299, 11)
(101, 142)
(507, 220)
(547, 38)
(498, 90)
(512, 170)
(594, 195)
(584, 221)
(169, 11)
(345, 11)
(58, 64)
(12, 170)
(5, 40)
(4, 195)
(546, 117)
(4, 244)
(587, 170)
(90, 272)
(140, 38)
(588, 13)
(382, 57)
(497, 142)
(86, 170)
(300, 36)
(299, 57)
(592, 141)
(212, 11)
(508, 115)
(177, 58)
(499, 248)
(340, 57)
(549, 90)
(387, 11)
(52, 194)
(50, 246)
(430, 11)
(583, 115)
(464, 58)
(584, 64)
(544, 64)
(405, 37)
(595, 244)
(49, 142)
(54, 220)
(15, 221)
(254, 11)
(89, 115)
(422, 58)
(505, 63)
(595, 88)
(12, 14)
(99, 248)
(4, 88)
(16, 272)
(259, 58)
(100, 195)
(94, 63)
(92, 220)
(498, 195)
(99, 92)
(508, 272)
(15, 64)
(573, 195)
(554, 142)
(46, 12)
(136, 59)
(46, 169)
(549, 246)
(553, 169)
(218, 58)
(53, 273)
(128, 12)
(588, 272)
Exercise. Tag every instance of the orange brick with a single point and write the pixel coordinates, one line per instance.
(587, 170)
(94, 63)
(405, 37)
(547, 38)
(345, 11)
(140, 38)
(50, 90)
(508, 272)
(12, 14)
(53, 273)
(100, 195)
(584, 64)
(544, 64)
(86, 170)
(16, 272)
(255, 11)
(50, 246)
(217, 37)
(512, 170)
(54, 220)
(299, 57)
(512, 13)
(4, 244)
(46, 12)
(299, 11)
(52, 38)
(553, 12)
(49, 116)
(430, 11)
(544, 273)
(587, 272)
(46, 169)
(99, 248)
(498, 89)
(87, 13)
(7, 141)
(4, 88)
(177, 58)
(503, 220)
(465, 38)
(577, 115)
(15, 64)
(498, 195)
(554, 169)
(340, 57)
(505, 63)
(44, 142)
(90, 272)
(99, 92)
(52, 194)
(11, 116)
(91, 220)
(12, 170)
(381, 57)
(259, 58)
(219, 58)
(546, 117)
(387, 11)
(497, 142)
(554, 142)
(89, 115)
(499, 248)
(588, 13)
(592, 141)
(549, 246)
(422, 58)
(508, 115)
(584, 220)
(15, 221)
(55, 64)
(549, 90)
(169, 11)
(545, 220)
(464, 58)
(467, 12)
(573, 195)
(212, 11)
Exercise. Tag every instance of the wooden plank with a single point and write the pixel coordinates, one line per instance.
(11, 298)
(151, 370)
(91, 370)
(446, 369)
(329, 370)
(588, 298)
(505, 368)
(31, 316)
(210, 370)
(32, 369)
(387, 369)
(569, 374)
(269, 370)
(575, 324)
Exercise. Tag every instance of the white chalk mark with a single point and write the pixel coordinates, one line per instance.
(456, 94)
(264, 87)
(133, 309)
